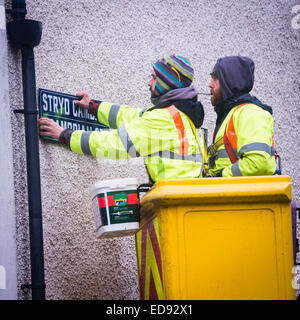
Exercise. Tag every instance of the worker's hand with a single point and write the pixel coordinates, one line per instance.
(50, 128)
(84, 101)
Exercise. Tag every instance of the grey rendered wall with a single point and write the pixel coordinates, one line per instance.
(106, 48)
(8, 267)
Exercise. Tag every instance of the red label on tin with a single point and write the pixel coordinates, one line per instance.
(132, 198)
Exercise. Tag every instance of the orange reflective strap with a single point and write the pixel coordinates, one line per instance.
(230, 133)
(184, 142)
(231, 154)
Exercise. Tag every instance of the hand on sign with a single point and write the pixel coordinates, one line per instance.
(50, 128)
(85, 100)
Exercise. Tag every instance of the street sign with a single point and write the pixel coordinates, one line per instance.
(60, 107)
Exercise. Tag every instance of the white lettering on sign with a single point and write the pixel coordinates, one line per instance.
(59, 105)
(2, 278)
(75, 126)
(81, 113)
(75, 110)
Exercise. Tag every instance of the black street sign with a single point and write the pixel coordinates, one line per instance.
(60, 107)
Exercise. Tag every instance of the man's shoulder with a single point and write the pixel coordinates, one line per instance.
(151, 111)
(249, 108)
(251, 113)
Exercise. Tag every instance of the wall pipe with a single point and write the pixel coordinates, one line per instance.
(25, 35)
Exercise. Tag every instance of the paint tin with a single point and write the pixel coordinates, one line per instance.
(115, 204)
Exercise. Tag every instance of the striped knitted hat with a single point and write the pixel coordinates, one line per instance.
(172, 72)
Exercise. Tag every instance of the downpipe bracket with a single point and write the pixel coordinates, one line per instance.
(27, 287)
(25, 112)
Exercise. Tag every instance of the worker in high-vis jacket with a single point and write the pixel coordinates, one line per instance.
(164, 133)
(243, 143)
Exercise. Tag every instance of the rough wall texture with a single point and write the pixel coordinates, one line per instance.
(106, 48)
(8, 270)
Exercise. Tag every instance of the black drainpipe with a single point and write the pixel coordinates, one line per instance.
(25, 35)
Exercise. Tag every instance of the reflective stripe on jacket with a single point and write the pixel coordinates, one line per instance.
(251, 136)
(170, 148)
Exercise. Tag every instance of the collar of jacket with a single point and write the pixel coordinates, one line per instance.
(185, 101)
(174, 95)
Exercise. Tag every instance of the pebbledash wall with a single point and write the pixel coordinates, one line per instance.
(106, 48)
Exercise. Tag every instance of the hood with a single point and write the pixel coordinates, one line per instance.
(185, 100)
(236, 75)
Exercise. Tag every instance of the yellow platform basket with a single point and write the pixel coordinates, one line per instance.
(222, 238)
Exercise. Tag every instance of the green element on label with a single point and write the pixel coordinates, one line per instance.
(60, 114)
(119, 210)
(120, 199)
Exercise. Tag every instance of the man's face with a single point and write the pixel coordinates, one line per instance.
(152, 83)
(215, 89)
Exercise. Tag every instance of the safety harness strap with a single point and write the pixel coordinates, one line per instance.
(203, 150)
(212, 149)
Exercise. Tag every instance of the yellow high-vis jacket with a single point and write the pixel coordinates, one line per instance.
(166, 137)
(253, 133)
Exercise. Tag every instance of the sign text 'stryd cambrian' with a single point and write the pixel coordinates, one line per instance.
(60, 107)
